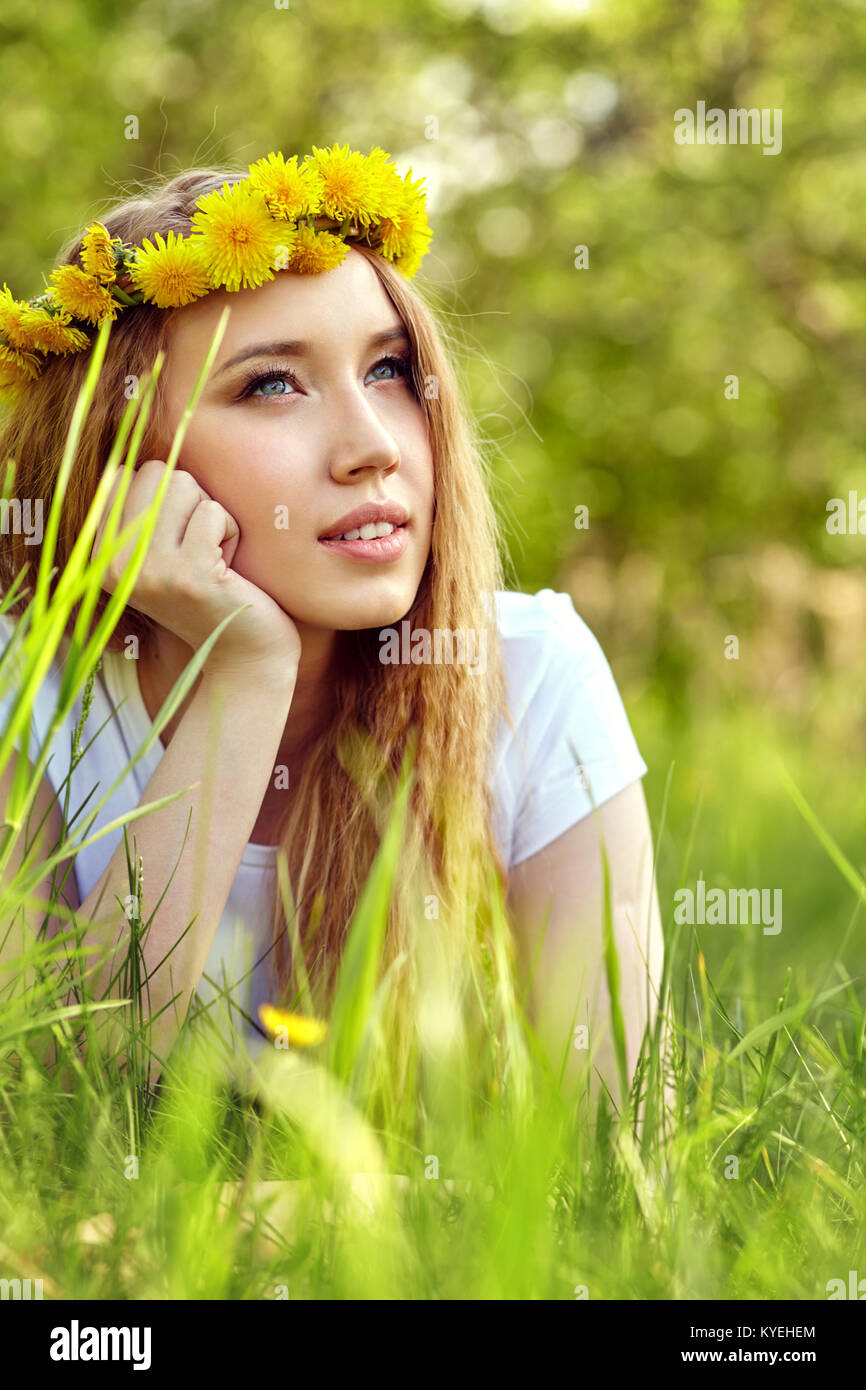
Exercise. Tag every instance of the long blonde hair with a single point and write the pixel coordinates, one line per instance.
(447, 713)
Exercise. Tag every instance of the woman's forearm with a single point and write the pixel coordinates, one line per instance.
(226, 743)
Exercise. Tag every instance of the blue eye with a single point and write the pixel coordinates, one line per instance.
(399, 365)
(273, 374)
(264, 381)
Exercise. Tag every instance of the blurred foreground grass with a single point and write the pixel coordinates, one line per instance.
(752, 1188)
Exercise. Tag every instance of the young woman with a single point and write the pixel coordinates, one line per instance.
(330, 480)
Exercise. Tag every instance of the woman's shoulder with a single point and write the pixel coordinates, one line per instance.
(568, 743)
(546, 644)
(12, 670)
(48, 693)
(539, 612)
(13, 633)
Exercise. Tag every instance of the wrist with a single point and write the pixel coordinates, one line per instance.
(240, 673)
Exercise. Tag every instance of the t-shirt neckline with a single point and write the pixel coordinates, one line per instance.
(122, 674)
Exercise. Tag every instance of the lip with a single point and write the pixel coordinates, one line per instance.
(377, 550)
(368, 512)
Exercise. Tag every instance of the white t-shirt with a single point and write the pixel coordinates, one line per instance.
(564, 704)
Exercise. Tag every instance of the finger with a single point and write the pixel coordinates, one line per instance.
(210, 528)
(232, 539)
(106, 513)
(181, 498)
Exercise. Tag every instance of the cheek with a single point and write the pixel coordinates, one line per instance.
(274, 507)
(242, 470)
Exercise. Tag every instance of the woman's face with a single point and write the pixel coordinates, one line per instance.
(302, 420)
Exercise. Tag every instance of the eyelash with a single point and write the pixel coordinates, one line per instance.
(277, 372)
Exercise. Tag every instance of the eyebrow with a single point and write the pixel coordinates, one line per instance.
(298, 347)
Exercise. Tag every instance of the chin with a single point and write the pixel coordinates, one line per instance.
(371, 612)
(375, 615)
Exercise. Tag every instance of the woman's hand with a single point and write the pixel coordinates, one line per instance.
(186, 582)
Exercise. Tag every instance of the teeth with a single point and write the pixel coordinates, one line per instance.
(370, 532)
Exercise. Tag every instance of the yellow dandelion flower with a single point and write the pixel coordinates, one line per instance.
(238, 238)
(314, 252)
(290, 192)
(97, 253)
(351, 185)
(29, 327)
(82, 296)
(13, 382)
(297, 1029)
(13, 317)
(53, 332)
(171, 272)
(18, 365)
(409, 262)
(405, 233)
(388, 182)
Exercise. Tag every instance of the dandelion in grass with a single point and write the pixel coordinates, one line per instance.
(298, 1029)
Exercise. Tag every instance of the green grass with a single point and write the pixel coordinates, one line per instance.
(304, 1177)
(751, 1188)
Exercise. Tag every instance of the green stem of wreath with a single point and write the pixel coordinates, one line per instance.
(123, 296)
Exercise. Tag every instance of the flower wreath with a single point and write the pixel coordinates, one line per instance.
(284, 215)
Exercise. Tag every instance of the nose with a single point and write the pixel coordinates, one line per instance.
(360, 440)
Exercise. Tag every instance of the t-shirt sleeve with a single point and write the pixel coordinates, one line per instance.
(9, 688)
(44, 705)
(580, 749)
